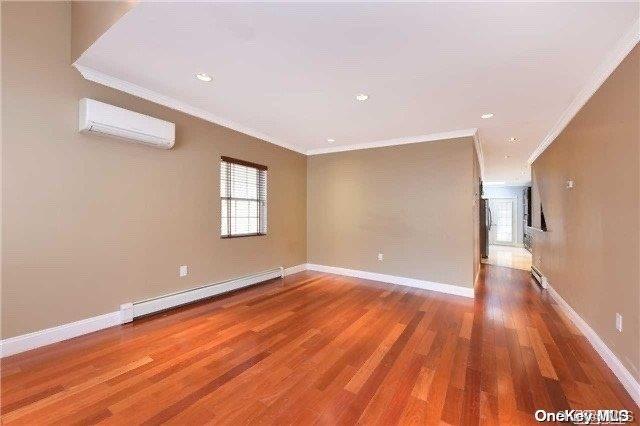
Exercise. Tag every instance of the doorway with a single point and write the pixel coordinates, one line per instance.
(502, 221)
(503, 241)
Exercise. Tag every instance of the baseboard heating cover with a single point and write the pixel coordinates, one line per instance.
(129, 311)
(542, 280)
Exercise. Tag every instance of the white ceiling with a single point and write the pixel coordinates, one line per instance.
(289, 73)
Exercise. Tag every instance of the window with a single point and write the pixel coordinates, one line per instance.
(243, 196)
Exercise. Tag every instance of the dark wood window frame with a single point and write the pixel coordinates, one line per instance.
(262, 202)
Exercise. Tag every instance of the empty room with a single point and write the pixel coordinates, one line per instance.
(320, 213)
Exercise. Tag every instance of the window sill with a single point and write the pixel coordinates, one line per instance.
(224, 237)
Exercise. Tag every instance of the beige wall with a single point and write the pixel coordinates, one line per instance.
(90, 222)
(91, 19)
(475, 211)
(414, 203)
(591, 250)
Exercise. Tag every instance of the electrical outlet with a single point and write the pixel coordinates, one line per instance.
(619, 322)
(184, 270)
(126, 312)
(380, 257)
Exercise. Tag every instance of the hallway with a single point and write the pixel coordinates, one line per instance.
(536, 351)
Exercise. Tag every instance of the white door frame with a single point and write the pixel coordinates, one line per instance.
(514, 224)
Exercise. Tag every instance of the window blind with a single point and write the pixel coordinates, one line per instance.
(243, 195)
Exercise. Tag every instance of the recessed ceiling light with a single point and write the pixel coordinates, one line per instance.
(331, 140)
(512, 139)
(487, 115)
(362, 97)
(203, 76)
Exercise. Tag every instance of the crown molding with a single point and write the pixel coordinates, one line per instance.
(152, 96)
(478, 143)
(149, 95)
(622, 49)
(399, 141)
(409, 140)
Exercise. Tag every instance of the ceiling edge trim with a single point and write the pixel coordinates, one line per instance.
(169, 102)
(149, 95)
(478, 143)
(399, 141)
(607, 67)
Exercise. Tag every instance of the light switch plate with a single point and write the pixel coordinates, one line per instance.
(184, 270)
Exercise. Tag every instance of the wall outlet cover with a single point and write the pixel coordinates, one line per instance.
(619, 322)
(126, 312)
(380, 257)
(184, 270)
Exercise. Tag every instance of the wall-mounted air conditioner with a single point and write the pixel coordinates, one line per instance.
(100, 118)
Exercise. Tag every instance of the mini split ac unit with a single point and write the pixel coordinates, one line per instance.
(100, 118)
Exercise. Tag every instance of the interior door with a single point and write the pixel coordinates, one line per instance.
(503, 225)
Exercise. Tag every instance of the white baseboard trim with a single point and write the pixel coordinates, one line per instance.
(410, 282)
(172, 300)
(295, 269)
(128, 311)
(25, 342)
(626, 378)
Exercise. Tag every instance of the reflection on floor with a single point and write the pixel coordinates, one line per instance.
(323, 349)
(511, 257)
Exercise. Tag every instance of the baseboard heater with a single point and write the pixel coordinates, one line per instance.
(539, 277)
(129, 311)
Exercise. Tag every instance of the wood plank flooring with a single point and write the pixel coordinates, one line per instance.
(322, 349)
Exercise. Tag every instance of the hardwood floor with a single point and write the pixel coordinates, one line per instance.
(319, 348)
(508, 256)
